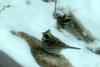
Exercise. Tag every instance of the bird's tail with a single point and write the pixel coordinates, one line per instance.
(73, 47)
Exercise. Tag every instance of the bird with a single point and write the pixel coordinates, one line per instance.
(42, 57)
(52, 44)
(72, 25)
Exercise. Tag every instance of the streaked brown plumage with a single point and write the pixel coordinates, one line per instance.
(43, 58)
(71, 24)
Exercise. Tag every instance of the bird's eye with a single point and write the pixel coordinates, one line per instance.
(46, 36)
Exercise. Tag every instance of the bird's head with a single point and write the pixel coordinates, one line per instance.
(47, 34)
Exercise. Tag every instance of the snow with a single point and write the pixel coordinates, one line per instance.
(36, 18)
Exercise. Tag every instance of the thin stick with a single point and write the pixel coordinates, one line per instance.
(55, 6)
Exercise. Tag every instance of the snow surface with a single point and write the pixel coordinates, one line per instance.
(36, 18)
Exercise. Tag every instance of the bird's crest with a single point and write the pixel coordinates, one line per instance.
(47, 34)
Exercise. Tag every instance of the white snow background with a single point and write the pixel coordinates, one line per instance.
(36, 18)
